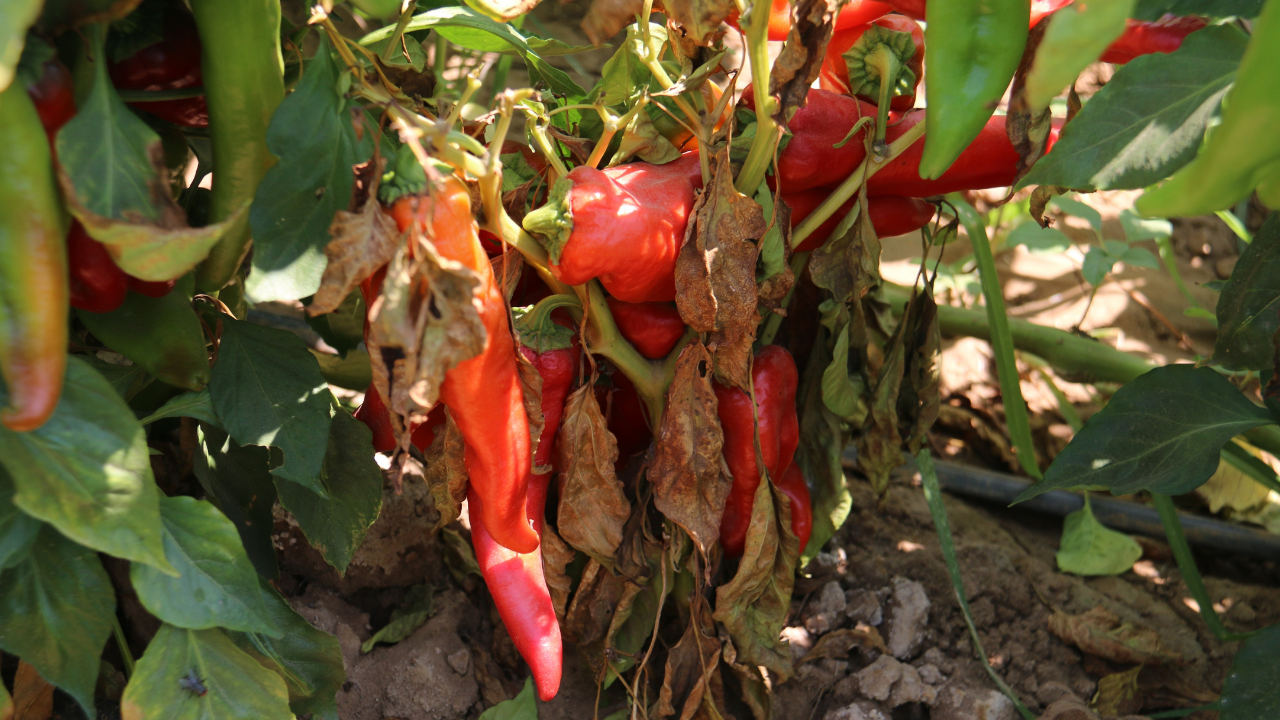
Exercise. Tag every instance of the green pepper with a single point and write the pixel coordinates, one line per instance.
(972, 48)
(243, 84)
(162, 335)
(1243, 152)
(33, 267)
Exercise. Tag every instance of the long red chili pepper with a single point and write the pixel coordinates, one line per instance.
(550, 344)
(1143, 38)
(97, 284)
(811, 158)
(796, 489)
(172, 63)
(855, 12)
(623, 225)
(891, 215)
(835, 71)
(483, 393)
(373, 412)
(774, 380)
(653, 328)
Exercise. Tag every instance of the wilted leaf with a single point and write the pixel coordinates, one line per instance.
(822, 441)
(918, 398)
(593, 508)
(1090, 548)
(556, 556)
(531, 390)
(419, 606)
(32, 695)
(690, 478)
(841, 392)
(698, 18)
(848, 264)
(692, 676)
(880, 445)
(592, 608)
(1027, 129)
(1118, 694)
(15, 18)
(753, 607)
(460, 558)
(1233, 486)
(1100, 632)
(641, 139)
(606, 17)
(812, 22)
(716, 273)
(362, 242)
(838, 643)
(445, 472)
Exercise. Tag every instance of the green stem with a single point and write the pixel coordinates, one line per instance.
(439, 64)
(548, 150)
(132, 96)
(1165, 247)
(1187, 564)
(541, 313)
(774, 322)
(853, 183)
(933, 494)
(503, 67)
(1233, 221)
(397, 35)
(885, 62)
(126, 655)
(762, 148)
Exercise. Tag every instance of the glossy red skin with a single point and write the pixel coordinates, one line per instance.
(519, 591)
(774, 379)
(835, 72)
(483, 393)
(628, 226)
(54, 97)
(653, 328)
(558, 369)
(810, 159)
(626, 417)
(97, 284)
(856, 12)
(990, 161)
(373, 413)
(171, 64)
(890, 215)
(150, 288)
(1143, 38)
(425, 432)
(794, 487)
(915, 9)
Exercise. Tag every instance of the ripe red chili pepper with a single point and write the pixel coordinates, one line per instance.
(1143, 38)
(483, 392)
(835, 71)
(97, 284)
(891, 215)
(173, 63)
(810, 158)
(425, 433)
(856, 12)
(519, 590)
(373, 412)
(796, 489)
(623, 225)
(653, 328)
(53, 95)
(774, 380)
(554, 352)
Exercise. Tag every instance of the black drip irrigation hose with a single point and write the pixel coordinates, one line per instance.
(1123, 515)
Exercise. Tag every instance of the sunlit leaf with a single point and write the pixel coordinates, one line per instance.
(1090, 548)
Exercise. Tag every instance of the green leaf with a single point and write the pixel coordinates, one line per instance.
(1140, 257)
(521, 707)
(1138, 228)
(179, 663)
(1090, 548)
(840, 393)
(1074, 207)
(56, 611)
(1077, 36)
(1156, 9)
(822, 439)
(313, 135)
(126, 379)
(87, 472)
(1115, 248)
(6, 702)
(336, 525)
(1162, 432)
(238, 480)
(420, 605)
(1148, 121)
(773, 253)
(18, 530)
(408, 54)
(1249, 308)
(218, 586)
(1252, 688)
(343, 328)
(198, 405)
(1097, 263)
(1039, 240)
(268, 390)
(309, 659)
(15, 18)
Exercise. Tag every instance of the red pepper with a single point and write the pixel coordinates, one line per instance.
(810, 158)
(626, 417)
(97, 284)
(373, 412)
(173, 63)
(155, 289)
(796, 489)
(835, 72)
(774, 380)
(425, 433)
(856, 12)
(653, 328)
(891, 215)
(1039, 8)
(554, 352)
(53, 95)
(1143, 38)
(483, 393)
(519, 590)
(623, 225)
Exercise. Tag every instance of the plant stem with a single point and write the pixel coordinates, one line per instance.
(126, 655)
(440, 62)
(548, 150)
(398, 33)
(504, 63)
(1165, 247)
(1187, 564)
(762, 148)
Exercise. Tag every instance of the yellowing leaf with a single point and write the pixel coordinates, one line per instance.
(1090, 548)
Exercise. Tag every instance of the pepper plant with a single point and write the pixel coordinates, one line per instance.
(667, 299)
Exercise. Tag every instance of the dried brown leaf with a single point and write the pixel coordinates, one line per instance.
(443, 470)
(753, 606)
(699, 19)
(606, 17)
(1040, 198)
(1118, 694)
(1027, 130)
(1100, 632)
(556, 556)
(579, 148)
(593, 508)
(690, 478)
(32, 694)
(692, 677)
(362, 242)
(838, 643)
(508, 267)
(880, 445)
(812, 22)
(849, 265)
(716, 273)
(591, 610)
(918, 398)
(531, 387)
(633, 560)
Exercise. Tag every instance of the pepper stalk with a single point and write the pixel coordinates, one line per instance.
(762, 147)
(877, 65)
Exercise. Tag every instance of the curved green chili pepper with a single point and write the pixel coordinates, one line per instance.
(162, 335)
(1244, 151)
(243, 83)
(972, 48)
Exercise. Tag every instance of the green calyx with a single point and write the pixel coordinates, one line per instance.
(881, 55)
(406, 177)
(537, 331)
(552, 224)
